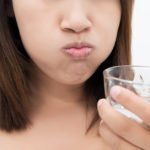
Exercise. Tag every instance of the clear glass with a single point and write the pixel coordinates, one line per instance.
(134, 78)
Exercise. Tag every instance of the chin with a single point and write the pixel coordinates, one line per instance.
(76, 80)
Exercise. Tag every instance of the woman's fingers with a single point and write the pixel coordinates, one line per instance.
(124, 127)
(113, 140)
(131, 101)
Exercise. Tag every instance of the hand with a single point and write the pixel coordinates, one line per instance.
(120, 132)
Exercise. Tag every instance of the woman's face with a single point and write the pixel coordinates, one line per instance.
(47, 26)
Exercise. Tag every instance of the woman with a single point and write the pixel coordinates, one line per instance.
(52, 54)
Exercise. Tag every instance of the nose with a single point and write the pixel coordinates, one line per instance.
(75, 21)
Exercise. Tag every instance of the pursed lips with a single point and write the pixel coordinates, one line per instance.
(78, 50)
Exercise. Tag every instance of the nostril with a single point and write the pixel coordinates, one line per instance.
(76, 24)
(76, 28)
(68, 30)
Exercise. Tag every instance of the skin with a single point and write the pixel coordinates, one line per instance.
(59, 122)
(126, 133)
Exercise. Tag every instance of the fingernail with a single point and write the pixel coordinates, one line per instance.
(115, 91)
(100, 102)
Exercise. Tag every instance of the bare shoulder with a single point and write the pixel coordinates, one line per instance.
(29, 141)
(7, 141)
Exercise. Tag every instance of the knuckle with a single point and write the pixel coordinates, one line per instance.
(100, 128)
(147, 115)
(124, 129)
(116, 145)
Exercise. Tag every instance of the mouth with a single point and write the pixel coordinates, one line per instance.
(78, 50)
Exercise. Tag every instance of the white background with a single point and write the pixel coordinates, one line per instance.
(141, 33)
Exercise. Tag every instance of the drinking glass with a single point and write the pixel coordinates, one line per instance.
(134, 78)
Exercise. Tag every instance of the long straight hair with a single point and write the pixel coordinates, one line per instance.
(15, 67)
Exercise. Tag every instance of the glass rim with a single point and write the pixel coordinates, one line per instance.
(107, 70)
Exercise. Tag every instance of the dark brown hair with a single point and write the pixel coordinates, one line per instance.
(15, 65)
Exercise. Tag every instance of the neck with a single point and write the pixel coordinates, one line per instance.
(59, 102)
(53, 93)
